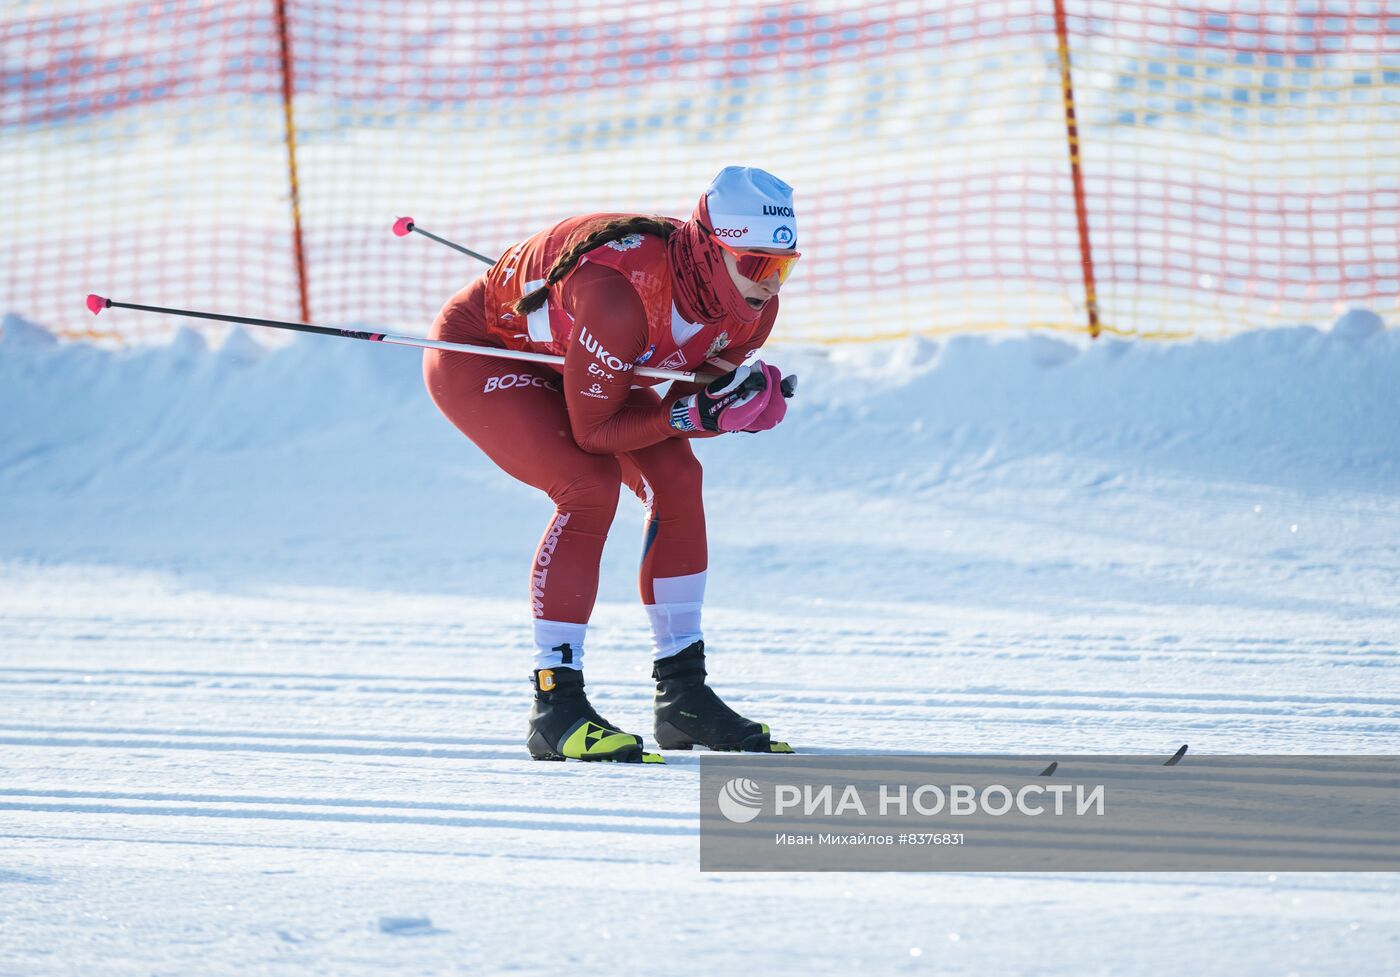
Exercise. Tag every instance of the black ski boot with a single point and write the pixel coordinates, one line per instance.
(563, 725)
(688, 713)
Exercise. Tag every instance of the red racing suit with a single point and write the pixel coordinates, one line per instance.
(580, 432)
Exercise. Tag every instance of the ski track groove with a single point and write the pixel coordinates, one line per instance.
(1219, 841)
(309, 845)
(686, 824)
(350, 802)
(1298, 705)
(1007, 648)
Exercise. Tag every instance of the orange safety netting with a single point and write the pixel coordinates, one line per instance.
(1239, 164)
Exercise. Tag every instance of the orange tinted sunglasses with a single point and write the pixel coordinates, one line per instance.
(758, 266)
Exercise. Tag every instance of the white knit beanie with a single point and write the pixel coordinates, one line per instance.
(751, 208)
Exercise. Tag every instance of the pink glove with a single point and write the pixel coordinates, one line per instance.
(776, 407)
(741, 400)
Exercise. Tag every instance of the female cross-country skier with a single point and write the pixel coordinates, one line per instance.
(612, 292)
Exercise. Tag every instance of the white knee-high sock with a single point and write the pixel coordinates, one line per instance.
(559, 644)
(675, 617)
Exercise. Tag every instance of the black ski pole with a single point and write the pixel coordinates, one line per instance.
(405, 226)
(96, 303)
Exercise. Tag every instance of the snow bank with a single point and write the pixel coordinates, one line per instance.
(1295, 407)
(328, 453)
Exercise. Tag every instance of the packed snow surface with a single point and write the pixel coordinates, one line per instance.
(264, 651)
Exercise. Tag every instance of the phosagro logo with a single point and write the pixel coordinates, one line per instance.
(740, 800)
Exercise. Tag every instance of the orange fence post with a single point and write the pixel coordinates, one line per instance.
(287, 85)
(1086, 254)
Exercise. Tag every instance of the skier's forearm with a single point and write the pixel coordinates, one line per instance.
(630, 428)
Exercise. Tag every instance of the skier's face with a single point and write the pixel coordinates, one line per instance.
(756, 294)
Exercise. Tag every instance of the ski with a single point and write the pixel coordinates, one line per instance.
(628, 756)
(1171, 761)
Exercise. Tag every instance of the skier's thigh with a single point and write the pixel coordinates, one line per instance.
(512, 411)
